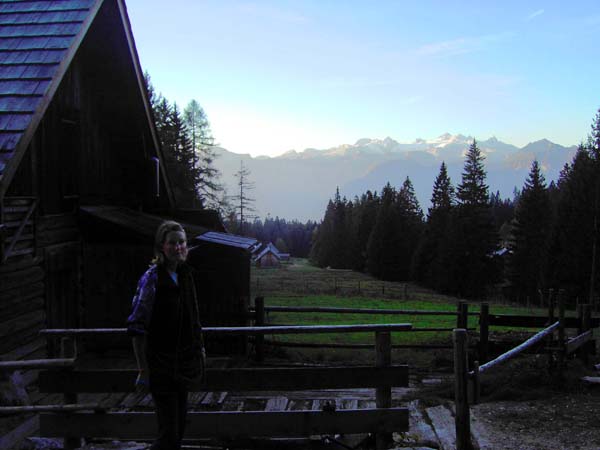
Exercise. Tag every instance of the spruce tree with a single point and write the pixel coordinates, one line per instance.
(383, 247)
(432, 262)
(474, 234)
(410, 222)
(530, 233)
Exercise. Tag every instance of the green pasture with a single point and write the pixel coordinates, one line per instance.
(418, 321)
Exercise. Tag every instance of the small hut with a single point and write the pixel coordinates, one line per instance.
(268, 256)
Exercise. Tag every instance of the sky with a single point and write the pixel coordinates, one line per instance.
(273, 76)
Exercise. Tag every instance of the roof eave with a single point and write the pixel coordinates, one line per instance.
(144, 93)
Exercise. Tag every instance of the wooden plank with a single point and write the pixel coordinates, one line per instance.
(531, 321)
(14, 341)
(37, 364)
(443, 424)
(245, 331)
(536, 339)
(228, 425)
(51, 237)
(576, 342)
(14, 438)
(19, 306)
(278, 403)
(11, 280)
(16, 325)
(335, 310)
(254, 379)
(26, 349)
(56, 222)
(10, 410)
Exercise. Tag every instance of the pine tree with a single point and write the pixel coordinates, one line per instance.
(431, 264)
(383, 247)
(410, 222)
(473, 233)
(530, 232)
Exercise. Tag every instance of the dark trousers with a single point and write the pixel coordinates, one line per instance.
(171, 411)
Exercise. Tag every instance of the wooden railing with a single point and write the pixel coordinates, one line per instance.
(557, 353)
(72, 419)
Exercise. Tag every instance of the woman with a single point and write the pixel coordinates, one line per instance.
(167, 335)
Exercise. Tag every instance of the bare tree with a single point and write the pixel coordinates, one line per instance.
(244, 203)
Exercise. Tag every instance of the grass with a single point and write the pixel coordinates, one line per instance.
(418, 321)
(300, 284)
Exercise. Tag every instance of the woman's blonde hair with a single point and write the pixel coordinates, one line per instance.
(161, 236)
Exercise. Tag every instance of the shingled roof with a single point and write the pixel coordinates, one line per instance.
(38, 40)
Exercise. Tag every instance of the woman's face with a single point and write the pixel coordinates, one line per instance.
(175, 247)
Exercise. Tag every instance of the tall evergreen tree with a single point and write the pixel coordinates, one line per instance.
(206, 175)
(530, 233)
(474, 233)
(432, 262)
(383, 248)
(410, 223)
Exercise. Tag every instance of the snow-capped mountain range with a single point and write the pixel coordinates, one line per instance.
(297, 185)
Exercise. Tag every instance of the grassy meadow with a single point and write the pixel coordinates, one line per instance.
(300, 284)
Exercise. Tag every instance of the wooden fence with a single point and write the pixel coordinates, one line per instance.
(71, 419)
(558, 350)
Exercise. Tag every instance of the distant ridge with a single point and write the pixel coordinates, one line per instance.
(298, 184)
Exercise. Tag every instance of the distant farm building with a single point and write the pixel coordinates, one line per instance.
(83, 184)
(269, 256)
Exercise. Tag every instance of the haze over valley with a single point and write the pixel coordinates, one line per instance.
(297, 185)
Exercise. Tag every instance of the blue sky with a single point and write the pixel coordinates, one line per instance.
(279, 75)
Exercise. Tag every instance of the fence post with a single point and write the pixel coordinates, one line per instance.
(463, 315)
(335, 286)
(561, 331)
(550, 322)
(383, 394)
(405, 292)
(476, 383)
(484, 332)
(462, 419)
(383, 288)
(358, 287)
(68, 349)
(586, 324)
(259, 321)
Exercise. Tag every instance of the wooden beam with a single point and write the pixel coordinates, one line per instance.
(335, 310)
(576, 342)
(228, 425)
(245, 331)
(37, 364)
(536, 339)
(9, 410)
(509, 320)
(260, 379)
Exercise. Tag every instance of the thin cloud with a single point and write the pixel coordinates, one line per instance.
(461, 45)
(535, 14)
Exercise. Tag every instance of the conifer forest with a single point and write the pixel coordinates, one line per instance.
(471, 242)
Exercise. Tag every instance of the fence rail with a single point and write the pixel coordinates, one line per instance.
(561, 348)
(73, 420)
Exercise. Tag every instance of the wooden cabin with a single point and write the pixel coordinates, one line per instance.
(82, 179)
(268, 256)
